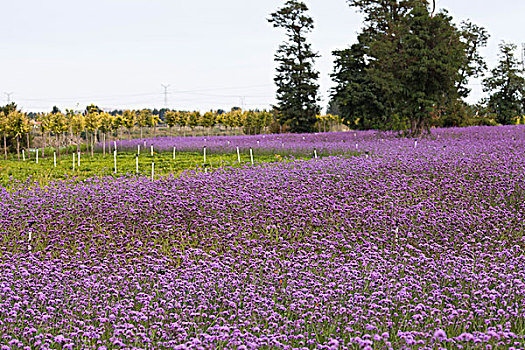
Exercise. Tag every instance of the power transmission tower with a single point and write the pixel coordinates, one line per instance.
(243, 99)
(8, 94)
(165, 94)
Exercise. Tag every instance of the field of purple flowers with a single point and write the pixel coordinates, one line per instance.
(412, 246)
(295, 144)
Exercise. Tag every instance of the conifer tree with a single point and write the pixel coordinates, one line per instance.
(296, 78)
(506, 86)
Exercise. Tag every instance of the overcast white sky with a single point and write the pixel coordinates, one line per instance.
(213, 54)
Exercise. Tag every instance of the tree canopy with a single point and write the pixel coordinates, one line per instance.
(506, 86)
(408, 63)
(296, 78)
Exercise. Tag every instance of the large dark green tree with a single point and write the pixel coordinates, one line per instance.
(432, 58)
(357, 97)
(474, 37)
(455, 111)
(296, 78)
(506, 86)
(409, 63)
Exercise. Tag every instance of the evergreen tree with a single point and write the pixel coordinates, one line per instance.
(409, 63)
(357, 97)
(432, 57)
(474, 37)
(297, 89)
(506, 86)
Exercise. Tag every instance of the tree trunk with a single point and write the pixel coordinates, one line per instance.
(66, 143)
(5, 146)
(17, 147)
(92, 137)
(141, 132)
(104, 144)
(58, 145)
(43, 142)
(28, 153)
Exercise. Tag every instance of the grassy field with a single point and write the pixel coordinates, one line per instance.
(13, 171)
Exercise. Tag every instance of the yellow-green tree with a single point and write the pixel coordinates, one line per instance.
(171, 118)
(106, 121)
(129, 118)
(182, 120)
(92, 120)
(45, 127)
(152, 121)
(77, 125)
(118, 123)
(18, 126)
(4, 129)
(193, 120)
(59, 125)
(207, 120)
(143, 118)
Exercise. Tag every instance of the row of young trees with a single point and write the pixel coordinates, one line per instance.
(408, 70)
(252, 122)
(94, 125)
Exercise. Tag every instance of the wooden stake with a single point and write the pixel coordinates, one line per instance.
(73, 161)
(238, 155)
(55, 159)
(37, 155)
(115, 159)
(251, 155)
(174, 151)
(137, 164)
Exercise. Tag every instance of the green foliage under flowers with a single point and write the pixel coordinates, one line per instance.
(13, 171)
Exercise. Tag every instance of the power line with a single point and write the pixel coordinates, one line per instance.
(113, 97)
(75, 99)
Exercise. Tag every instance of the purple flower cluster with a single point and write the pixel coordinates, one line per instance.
(326, 143)
(414, 246)
(333, 143)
